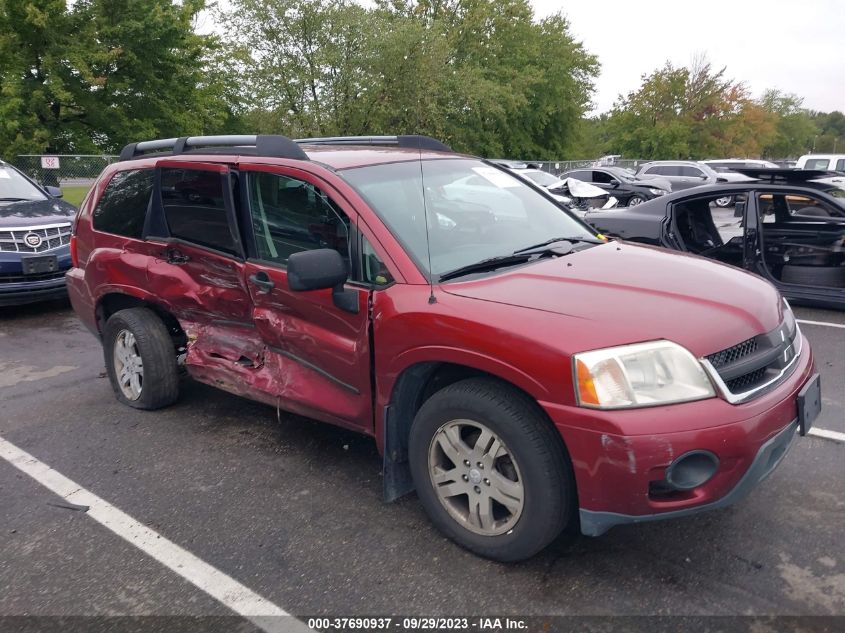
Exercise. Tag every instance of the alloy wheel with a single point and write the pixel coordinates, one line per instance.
(128, 366)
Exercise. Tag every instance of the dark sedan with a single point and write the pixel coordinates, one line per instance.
(35, 228)
(789, 227)
(621, 184)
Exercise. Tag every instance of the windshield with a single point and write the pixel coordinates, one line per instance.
(622, 174)
(13, 186)
(540, 177)
(474, 211)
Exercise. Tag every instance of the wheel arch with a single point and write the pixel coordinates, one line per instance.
(414, 385)
(115, 300)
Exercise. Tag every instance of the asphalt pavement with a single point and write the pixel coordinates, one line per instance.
(291, 509)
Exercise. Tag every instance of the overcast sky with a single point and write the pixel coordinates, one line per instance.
(795, 45)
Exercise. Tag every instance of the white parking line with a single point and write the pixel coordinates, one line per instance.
(223, 588)
(836, 436)
(825, 323)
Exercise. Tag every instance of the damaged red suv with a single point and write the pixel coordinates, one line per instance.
(520, 372)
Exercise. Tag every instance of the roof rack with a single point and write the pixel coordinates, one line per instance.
(784, 174)
(262, 144)
(411, 141)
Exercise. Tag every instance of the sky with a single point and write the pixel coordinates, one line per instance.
(796, 46)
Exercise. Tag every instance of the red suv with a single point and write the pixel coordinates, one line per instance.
(523, 374)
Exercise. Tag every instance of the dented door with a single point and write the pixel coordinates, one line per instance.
(321, 353)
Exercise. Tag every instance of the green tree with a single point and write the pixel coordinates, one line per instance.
(795, 128)
(101, 73)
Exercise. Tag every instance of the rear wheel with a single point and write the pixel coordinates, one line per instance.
(490, 470)
(140, 359)
(724, 201)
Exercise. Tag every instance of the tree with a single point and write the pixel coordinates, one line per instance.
(101, 73)
(795, 128)
(479, 74)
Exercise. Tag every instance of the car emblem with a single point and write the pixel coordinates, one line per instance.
(33, 240)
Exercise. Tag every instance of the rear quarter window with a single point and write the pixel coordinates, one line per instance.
(123, 207)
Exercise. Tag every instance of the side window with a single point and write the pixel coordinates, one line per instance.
(123, 207)
(602, 177)
(840, 164)
(691, 172)
(195, 209)
(817, 163)
(584, 176)
(657, 171)
(289, 216)
(375, 272)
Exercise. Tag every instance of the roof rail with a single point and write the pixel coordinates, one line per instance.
(412, 141)
(783, 174)
(262, 144)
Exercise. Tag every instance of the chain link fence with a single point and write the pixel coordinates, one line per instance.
(63, 169)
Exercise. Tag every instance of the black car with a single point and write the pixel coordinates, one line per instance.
(35, 230)
(627, 188)
(788, 226)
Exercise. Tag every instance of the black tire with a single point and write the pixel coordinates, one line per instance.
(827, 276)
(155, 346)
(635, 200)
(724, 202)
(545, 470)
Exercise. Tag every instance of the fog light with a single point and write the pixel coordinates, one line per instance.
(691, 470)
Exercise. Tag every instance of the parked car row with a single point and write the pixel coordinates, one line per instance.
(523, 373)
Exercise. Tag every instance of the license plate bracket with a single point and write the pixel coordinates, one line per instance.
(39, 265)
(809, 403)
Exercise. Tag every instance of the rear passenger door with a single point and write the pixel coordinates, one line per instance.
(321, 352)
(196, 270)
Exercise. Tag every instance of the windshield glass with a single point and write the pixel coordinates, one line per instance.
(474, 211)
(622, 174)
(13, 186)
(540, 177)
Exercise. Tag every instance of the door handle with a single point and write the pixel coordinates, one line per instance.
(264, 283)
(175, 256)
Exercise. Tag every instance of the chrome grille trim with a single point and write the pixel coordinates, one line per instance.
(53, 236)
(737, 398)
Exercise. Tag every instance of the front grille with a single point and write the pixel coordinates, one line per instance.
(11, 278)
(733, 354)
(748, 368)
(51, 237)
(747, 381)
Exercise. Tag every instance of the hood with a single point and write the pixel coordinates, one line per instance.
(34, 212)
(619, 293)
(581, 189)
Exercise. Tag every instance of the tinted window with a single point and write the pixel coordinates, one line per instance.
(123, 207)
(840, 164)
(584, 176)
(195, 208)
(602, 177)
(691, 172)
(664, 170)
(817, 163)
(289, 216)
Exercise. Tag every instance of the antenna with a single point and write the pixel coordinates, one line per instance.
(431, 297)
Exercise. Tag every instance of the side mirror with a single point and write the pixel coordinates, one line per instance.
(55, 192)
(321, 269)
(614, 182)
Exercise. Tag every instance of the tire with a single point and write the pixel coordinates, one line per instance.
(724, 201)
(828, 276)
(530, 453)
(140, 333)
(635, 200)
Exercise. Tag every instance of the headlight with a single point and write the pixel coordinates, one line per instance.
(640, 375)
(657, 192)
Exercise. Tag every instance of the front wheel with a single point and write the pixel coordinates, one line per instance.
(491, 472)
(635, 200)
(724, 201)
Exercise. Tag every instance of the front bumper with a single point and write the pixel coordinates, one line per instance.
(22, 290)
(768, 457)
(620, 457)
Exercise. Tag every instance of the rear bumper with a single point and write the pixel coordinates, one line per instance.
(621, 457)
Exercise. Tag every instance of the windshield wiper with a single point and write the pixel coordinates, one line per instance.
(13, 199)
(588, 240)
(491, 263)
